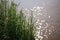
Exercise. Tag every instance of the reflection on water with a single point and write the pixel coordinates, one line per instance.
(44, 25)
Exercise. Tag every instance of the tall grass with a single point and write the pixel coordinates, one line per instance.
(12, 26)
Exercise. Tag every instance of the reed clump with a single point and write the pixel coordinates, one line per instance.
(12, 26)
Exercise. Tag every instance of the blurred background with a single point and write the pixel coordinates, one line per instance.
(51, 7)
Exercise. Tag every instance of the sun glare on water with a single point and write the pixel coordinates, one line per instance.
(43, 26)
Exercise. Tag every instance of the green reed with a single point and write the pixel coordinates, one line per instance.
(12, 26)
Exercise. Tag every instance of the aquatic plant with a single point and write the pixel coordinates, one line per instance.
(12, 26)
